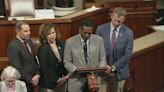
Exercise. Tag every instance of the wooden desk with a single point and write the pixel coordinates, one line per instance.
(68, 26)
(147, 62)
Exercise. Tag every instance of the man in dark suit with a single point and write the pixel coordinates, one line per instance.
(118, 42)
(21, 56)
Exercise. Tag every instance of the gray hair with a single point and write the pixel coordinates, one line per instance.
(19, 24)
(120, 11)
(10, 71)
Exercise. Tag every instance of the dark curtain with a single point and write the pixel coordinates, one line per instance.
(2, 8)
(64, 3)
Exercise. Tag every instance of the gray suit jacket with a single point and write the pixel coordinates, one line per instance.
(74, 58)
(123, 48)
(20, 86)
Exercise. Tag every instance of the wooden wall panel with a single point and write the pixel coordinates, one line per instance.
(137, 72)
(146, 65)
(147, 71)
(153, 70)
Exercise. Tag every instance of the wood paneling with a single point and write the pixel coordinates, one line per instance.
(147, 70)
(137, 68)
(146, 66)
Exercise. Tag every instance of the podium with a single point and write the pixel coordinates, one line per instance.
(89, 73)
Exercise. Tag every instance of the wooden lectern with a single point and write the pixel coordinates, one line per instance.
(89, 73)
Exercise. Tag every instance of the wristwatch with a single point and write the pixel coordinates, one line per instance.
(113, 68)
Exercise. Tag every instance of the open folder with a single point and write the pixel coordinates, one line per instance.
(90, 70)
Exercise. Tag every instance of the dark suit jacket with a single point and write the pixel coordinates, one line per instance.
(122, 50)
(21, 59)
(50, 68)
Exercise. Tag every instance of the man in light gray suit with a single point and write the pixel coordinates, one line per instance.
(75, 55)
(118, 40)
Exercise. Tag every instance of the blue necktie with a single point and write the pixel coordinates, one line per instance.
(85, 51)
(113, 39)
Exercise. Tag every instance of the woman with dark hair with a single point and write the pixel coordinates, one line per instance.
(50, 53)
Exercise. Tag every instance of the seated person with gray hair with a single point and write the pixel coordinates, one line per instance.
(10, 81)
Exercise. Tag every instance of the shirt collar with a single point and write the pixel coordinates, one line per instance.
(82, 40)
(20, 39)
(117, 29)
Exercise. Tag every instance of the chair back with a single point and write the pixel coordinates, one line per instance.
(17, 8)
(36, 43)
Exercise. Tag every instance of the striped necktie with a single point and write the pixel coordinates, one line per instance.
(85, 51)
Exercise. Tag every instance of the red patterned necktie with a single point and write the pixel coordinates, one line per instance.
(26, 46)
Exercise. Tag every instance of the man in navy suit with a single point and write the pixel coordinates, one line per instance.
(118, 42)
(21, 56)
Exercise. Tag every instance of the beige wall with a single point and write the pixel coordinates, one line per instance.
(78, 4)
(160, 4)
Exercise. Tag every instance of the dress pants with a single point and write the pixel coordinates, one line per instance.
(30, 87)
(115, 84)
(85, 87)
(58, 88)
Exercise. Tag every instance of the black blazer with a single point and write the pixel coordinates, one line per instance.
(50, 68)
(21, 59)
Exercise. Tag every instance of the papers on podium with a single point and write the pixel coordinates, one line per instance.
(44, 13)
(160, 28)
(93, 8)
(63, 11)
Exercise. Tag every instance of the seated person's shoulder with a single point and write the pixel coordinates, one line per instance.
(2, 82)
(21, 83)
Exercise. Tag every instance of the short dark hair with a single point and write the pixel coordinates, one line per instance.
(85, 23)
(19, 24)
